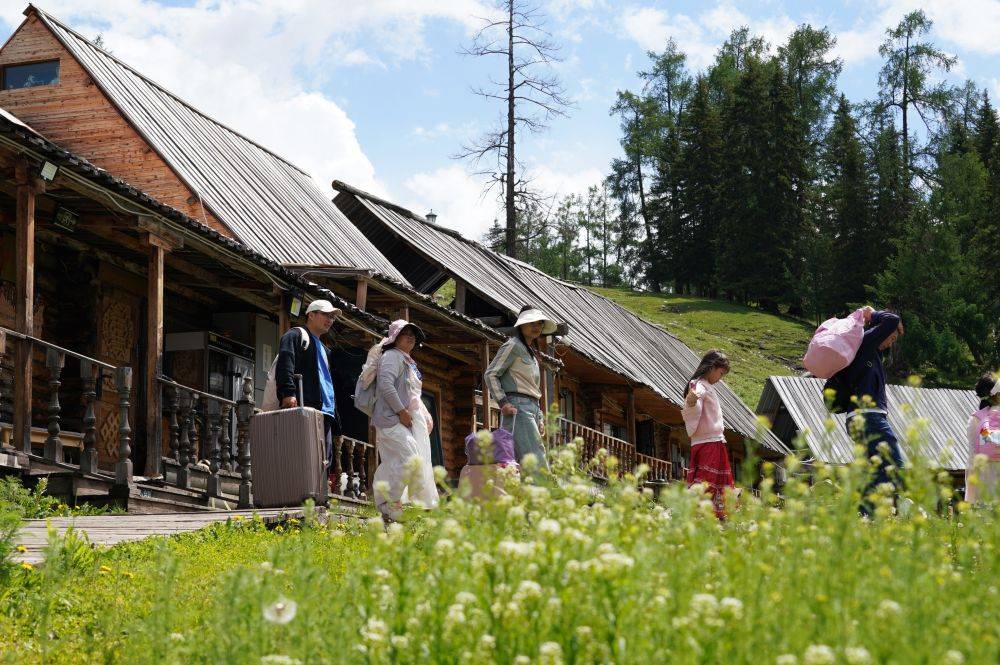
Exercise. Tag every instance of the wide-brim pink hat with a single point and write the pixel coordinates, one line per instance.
(397, 327)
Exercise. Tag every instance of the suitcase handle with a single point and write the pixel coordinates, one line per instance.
(298, 387)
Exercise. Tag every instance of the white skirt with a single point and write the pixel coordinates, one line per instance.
(405, 472)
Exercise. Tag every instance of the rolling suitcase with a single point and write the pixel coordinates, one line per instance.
(287, 451)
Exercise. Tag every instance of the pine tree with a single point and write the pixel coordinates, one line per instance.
(987, 131)
(846, 197)
(696, 239)
(744, 190)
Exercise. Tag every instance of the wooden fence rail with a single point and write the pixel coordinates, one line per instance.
(628, 458)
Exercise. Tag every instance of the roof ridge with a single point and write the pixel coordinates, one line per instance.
(46, 17)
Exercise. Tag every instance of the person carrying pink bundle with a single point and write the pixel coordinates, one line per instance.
(703, 419)
(982, 477)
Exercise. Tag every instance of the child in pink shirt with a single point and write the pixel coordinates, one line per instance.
(703, 419)
(983, 482)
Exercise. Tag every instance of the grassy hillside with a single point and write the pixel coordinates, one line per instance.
(758, 344)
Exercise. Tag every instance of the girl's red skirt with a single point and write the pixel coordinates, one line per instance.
(710, 466)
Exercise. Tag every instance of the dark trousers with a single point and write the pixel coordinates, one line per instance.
(331, 429)
(878, 431)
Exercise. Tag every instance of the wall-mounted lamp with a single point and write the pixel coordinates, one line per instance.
(296, 305)
(49, 171)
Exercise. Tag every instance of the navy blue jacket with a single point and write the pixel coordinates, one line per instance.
(866, 375)
(293, 359)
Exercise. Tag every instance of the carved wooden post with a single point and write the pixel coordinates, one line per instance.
(175, 400)
(154, 354)
(194, 440)
(123, 470)
(244, 411)
(337, 466)
(88, 458)
(54, 361)
(485, 356)
(184, 450)
(212, 415)
(226, 442)
(360, 471)
(348, 452)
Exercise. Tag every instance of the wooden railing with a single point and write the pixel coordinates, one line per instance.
(354, 459)
(201, 427)
(92, 372)
(626, 454)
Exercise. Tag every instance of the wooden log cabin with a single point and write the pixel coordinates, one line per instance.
(219, 320)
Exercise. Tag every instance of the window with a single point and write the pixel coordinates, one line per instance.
(430, 402)
(31, 75)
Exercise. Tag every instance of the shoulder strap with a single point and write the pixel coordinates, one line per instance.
(304, 337)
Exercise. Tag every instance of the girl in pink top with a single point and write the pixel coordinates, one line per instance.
(703, 419)
(984, 439)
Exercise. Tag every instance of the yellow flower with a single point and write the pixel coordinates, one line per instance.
(27, 566)
(104, 569)
(21, 548)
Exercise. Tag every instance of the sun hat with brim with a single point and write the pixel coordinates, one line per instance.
(397, 327)
(533, 315)
(324, 306)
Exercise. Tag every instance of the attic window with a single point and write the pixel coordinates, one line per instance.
(30, 75)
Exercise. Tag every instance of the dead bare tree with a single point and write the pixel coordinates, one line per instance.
(532, 95)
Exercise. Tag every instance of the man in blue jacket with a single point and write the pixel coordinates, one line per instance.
(305, 354)
(865, 377)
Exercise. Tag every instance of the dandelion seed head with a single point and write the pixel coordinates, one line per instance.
(281, 611)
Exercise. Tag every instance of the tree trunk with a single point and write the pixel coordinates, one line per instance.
(511, 237)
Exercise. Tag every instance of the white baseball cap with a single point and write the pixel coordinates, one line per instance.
(323, 306)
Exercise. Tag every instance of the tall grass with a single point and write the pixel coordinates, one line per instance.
(553, 572)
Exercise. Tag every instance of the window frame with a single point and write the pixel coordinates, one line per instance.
(6, 67)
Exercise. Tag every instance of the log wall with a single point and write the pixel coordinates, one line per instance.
(75, 114)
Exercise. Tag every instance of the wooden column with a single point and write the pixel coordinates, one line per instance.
(362, 294)
(543, 345)
(404, 312)
(284, 318)
(460, 292)
(485, 350)
(154, 355)
(630, 416)
(24, 302)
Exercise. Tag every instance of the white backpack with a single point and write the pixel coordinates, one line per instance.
(270, 400)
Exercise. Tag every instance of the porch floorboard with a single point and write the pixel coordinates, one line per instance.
(112, 529)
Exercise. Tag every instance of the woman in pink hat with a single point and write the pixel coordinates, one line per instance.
(402, 424)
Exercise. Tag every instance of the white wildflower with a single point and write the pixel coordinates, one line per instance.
(549, 527)
(515, 550)
(786, 659)
(279, 659)
(857, 656)
(529, 589)
(381, 491)
(481, 560)
(732, 608)
(176, 637)
(888, 609)
(375, 631)
(281, 611)
(953, 657)
(522, 660)
(819, 654)
(400, 642)
(444, 547)
(704, 604)
(550, 653)
(465, 598)
(516, 513)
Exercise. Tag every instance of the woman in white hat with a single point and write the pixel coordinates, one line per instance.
(514, 380)
(402, 424)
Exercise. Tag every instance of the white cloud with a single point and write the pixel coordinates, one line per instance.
(699, 36)
(259, 66)
(972, 25)
(456, 196)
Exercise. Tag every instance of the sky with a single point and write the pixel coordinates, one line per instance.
(377, 93)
